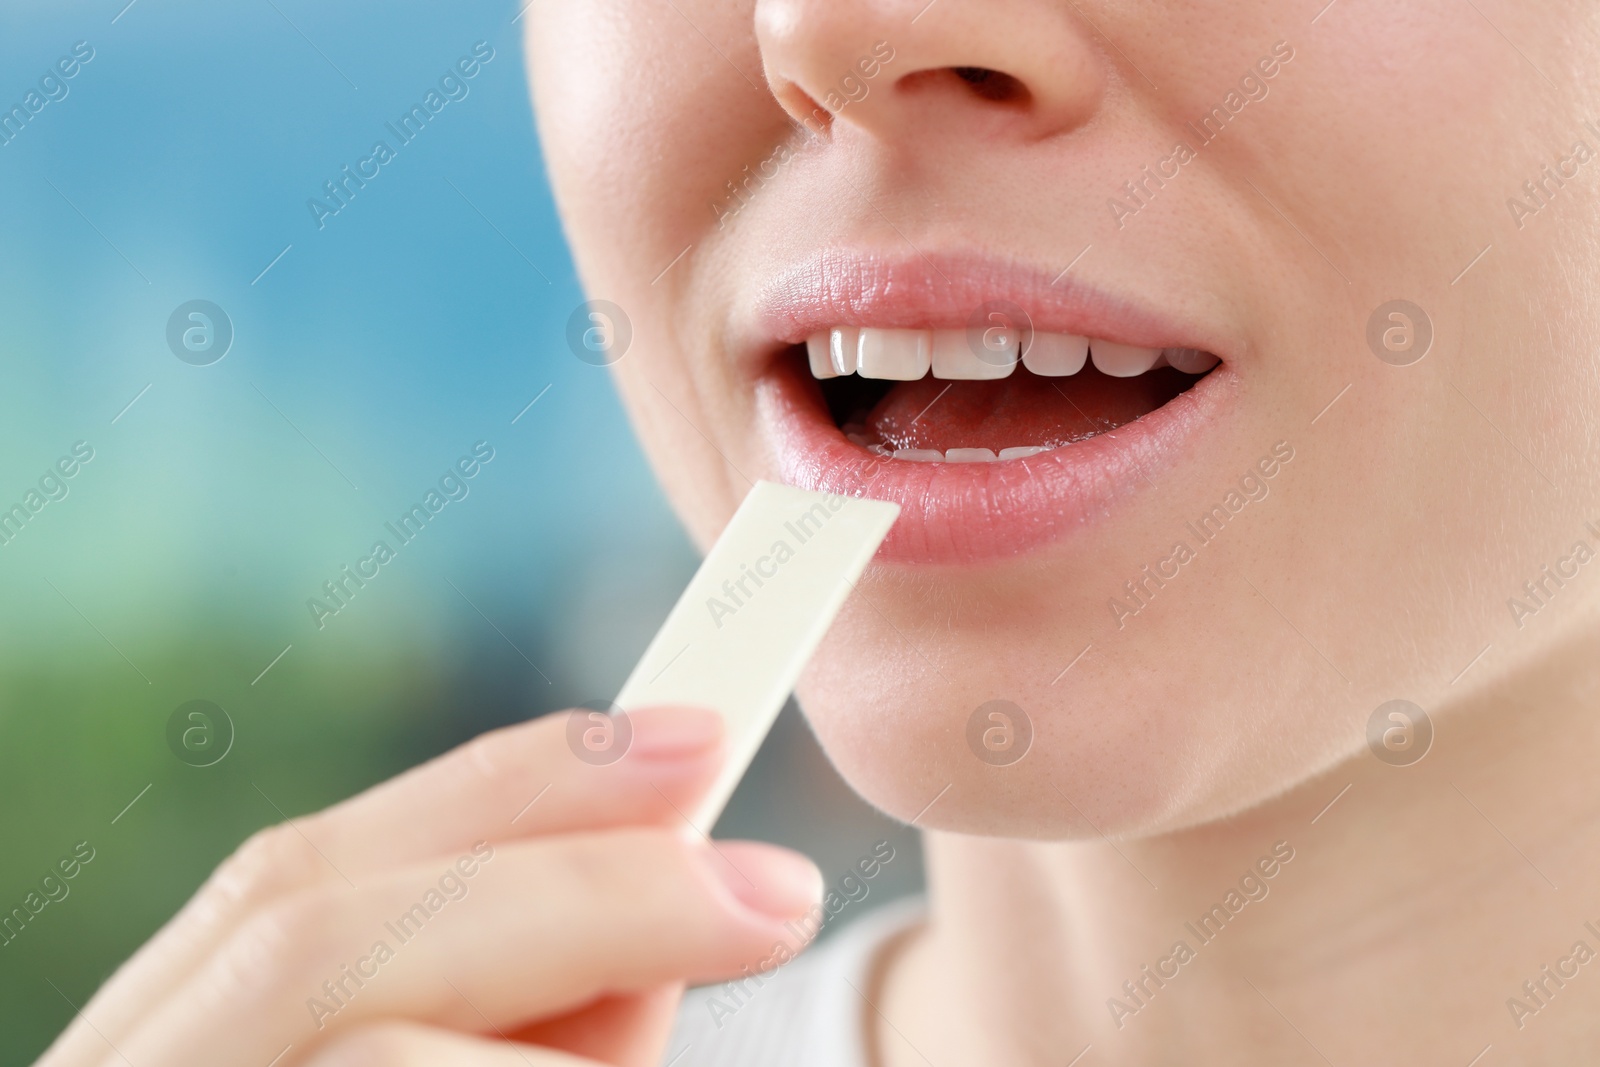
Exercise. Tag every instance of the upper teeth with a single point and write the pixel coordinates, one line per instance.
(906, 355)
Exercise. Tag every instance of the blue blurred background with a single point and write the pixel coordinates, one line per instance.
(368, 354)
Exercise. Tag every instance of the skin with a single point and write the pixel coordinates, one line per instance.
(1225, 720)
(1220, 719)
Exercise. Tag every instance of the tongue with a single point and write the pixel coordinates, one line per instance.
(1022, 410)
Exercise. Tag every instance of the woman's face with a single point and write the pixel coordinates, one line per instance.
(1200, 598)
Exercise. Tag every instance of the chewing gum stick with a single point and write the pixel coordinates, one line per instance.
(754, 613)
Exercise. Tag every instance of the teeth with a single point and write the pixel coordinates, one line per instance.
(896, 355)
(954, 359)
(1056, 355)
(842, 345)
(1189, 360)
(817, 353)
(1122, 361)
(958, 455)
(907, 355)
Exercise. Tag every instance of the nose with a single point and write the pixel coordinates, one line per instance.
(901, 69)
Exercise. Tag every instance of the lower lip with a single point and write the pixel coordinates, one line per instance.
(962, 513)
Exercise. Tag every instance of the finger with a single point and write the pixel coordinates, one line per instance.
(478, 791)
(401, 1044)
(545, 926)
(629, 1030)
(527, 780)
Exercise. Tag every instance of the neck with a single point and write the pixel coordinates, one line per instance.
(1428, 912)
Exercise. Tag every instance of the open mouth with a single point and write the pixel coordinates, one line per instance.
(875, 376)
(958, 396)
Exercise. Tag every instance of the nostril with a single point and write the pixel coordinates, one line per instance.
(994, 85)
(803, 108)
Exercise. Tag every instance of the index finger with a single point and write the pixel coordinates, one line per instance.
(526, 780)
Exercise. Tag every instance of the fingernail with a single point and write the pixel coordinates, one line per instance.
(674, 733)
(777, 883)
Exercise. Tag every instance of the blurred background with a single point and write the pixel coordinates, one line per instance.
(231, 477)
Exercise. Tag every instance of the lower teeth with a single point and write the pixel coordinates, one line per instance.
(953, 455)
(961, 455)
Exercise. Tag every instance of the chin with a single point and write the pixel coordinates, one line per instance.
(1121, 739)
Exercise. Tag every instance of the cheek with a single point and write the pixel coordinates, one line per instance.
(600, 95)
(1449, 481)
(639, 138)
(642, 125)
(1388, 186)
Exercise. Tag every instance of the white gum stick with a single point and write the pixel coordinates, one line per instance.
(754, 613)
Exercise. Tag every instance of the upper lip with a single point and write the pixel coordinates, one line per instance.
(943, 290)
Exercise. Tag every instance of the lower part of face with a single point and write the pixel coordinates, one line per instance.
(1196, 584)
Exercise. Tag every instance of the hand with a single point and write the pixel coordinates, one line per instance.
(441, 918)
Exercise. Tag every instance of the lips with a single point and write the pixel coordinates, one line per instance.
(1001, 409)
